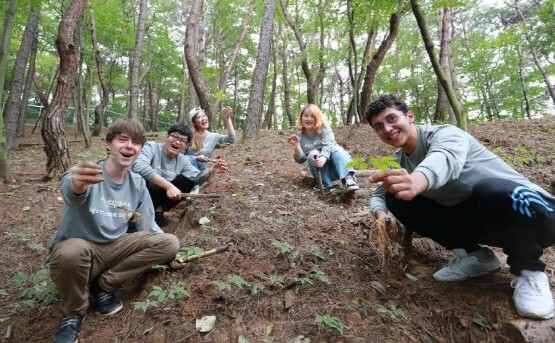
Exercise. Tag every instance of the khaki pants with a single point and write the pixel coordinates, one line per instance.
(75, 263)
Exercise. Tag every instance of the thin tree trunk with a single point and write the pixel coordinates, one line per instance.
(353, 69)
(27, 88)
(442, 105)
(52, 132)
(11, 111)
(523, 84)
(377, 59)
(5, 46)
(105, 95)
(429, 45)
(183, 92)
(136, 63)
(539, 65)
(271, 110)
(256, 96)
(284, 53)
(201, 89)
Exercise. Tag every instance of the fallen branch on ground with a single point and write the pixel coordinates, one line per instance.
(217, 250)
(204, 196)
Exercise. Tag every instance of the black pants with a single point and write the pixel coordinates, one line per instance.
(499, 213)
(159, 197)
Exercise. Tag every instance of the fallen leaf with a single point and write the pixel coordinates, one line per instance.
(203, 221)
(206, 323)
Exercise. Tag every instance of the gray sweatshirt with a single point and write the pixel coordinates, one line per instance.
(94, 216)
(210, 142)
(453, 162)
(153, 161)
(324, 142)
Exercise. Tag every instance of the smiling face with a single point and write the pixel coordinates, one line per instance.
(308, 121)
(124, 150)
(200, 121)
(396, 128)
(175, 144)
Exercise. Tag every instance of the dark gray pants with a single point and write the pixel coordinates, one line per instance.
(499, 213)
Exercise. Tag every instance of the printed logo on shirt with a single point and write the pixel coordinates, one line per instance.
(524, 198)
(115, 209)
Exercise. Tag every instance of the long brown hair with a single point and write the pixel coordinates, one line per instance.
(197, 138)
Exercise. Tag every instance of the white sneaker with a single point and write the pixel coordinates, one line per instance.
(464, 266)
(532, 295)
(350, 183)
(195, 190)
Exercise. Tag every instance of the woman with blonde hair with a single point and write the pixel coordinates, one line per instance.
(315, 144)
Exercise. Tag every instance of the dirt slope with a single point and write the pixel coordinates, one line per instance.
(296, 257)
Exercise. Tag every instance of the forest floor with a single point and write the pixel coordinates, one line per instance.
(297, 258)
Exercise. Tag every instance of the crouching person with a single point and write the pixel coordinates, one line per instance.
(92, 251)
(169, 173)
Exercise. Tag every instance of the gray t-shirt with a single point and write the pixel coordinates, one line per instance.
(153, 161)
(453, 162)
(210, 142)
(324, 142)
(103, 212)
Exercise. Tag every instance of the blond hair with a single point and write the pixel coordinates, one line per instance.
(315, 112)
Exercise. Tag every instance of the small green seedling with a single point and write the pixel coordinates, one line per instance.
(393, 311)
(284, 247)
(331, 322)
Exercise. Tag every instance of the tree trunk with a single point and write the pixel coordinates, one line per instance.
(5, 45)
(258, 84)
(312, 82)
(52, 132)
(523, 85)
(377, 59)
(201, 89)
(231, 62)
(442, 106)
(539, 65)
(183, 92)
(105, 95)
(11, 111)
(136, 63)
(27, 88)
(353, 68)
(271, 110)
(284, 53)
(429, 45)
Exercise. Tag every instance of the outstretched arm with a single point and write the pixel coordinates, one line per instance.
(226, 115)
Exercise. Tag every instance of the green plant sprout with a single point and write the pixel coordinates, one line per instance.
(393, 311)
(284, 247)
(222, 286)
(276, 280)
(3, 293)
(237, 280)
(304, 280)
(320, 275)
(176, 291)
(380, 163)
(183, 254)
(41, 288)
(315, 250)
(331, 322)
(483, 322)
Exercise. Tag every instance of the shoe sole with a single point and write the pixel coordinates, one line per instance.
(493, 271)
(535, 315)
(114, 311)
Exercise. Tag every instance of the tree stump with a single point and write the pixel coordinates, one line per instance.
(528, 331)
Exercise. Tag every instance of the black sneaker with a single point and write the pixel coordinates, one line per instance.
(161, 220)
(106, 302)
(68, 330)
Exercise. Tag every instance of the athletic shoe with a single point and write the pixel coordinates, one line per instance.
(106, 302)
(464, 266)
(350, 183)
(532, 295)
(68, 330)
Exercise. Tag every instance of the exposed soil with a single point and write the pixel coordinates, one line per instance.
(266, 203)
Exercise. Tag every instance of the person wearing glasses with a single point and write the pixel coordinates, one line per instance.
(169, 173)
(315, 144)
(458, 193)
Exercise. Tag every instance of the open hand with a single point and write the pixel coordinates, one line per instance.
(293, 139)
(219, 167)
(226, 112)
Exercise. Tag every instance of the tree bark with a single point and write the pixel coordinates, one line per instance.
(523, 84)
(443, 110)
(5, 45)
(284, 53)
(528, 331)
(27, 87)
(136, 63)
(271, 110)
(377, 59)
(429, 45)
(105, 95)
(539, 65)
(312, 81)
(203, 93)
(52, 132)
(11, 111)
(256, 96)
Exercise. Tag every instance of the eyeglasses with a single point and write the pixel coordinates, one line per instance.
(388, 120)
(176, 138)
